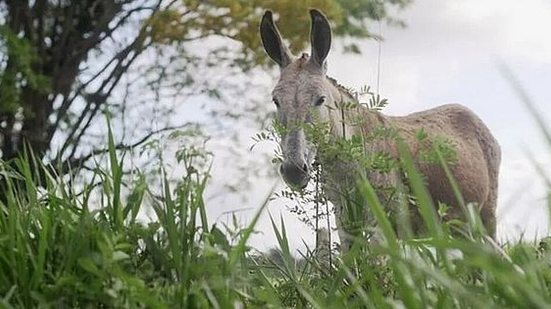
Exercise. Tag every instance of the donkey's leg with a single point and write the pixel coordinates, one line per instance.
(340, 219)
(488, 211)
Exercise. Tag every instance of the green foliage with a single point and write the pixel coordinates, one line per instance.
(435, 148)
(370, 99)
(239, 20)
(61, 248)
(17, 70)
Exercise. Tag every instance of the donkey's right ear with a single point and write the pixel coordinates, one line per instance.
(271, 39)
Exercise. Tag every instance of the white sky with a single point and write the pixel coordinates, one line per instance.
(449, 52)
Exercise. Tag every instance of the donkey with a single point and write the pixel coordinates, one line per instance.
(304, 95)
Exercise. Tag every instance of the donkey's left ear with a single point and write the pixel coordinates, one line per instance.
(320, 37)
(272, 41)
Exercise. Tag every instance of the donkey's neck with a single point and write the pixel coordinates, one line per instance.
(348, 117)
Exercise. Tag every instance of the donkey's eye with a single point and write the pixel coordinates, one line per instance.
(276, 102)
(320, 101)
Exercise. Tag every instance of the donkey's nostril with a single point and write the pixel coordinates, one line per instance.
(305, 168)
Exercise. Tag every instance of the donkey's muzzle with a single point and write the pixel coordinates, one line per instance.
(295, 175)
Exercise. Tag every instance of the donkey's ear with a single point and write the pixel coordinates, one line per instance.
(320, 37)
(271, 39)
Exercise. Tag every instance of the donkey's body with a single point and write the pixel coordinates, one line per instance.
(302, 94)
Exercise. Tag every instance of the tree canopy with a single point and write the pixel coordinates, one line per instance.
(64, 63)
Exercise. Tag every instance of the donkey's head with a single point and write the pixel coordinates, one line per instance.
(299, 94)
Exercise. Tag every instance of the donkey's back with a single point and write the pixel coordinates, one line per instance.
(475, 164)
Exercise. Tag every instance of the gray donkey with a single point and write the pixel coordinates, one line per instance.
(304, 96)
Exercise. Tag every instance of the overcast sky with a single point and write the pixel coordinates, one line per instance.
(449, 52)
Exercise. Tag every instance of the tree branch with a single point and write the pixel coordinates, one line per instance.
(100, 101)
(124, 59)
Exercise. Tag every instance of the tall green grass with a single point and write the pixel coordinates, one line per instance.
(66, 249)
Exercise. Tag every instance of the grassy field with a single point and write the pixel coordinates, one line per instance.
(66, 248)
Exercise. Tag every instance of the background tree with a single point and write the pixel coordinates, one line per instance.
(63, 63)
